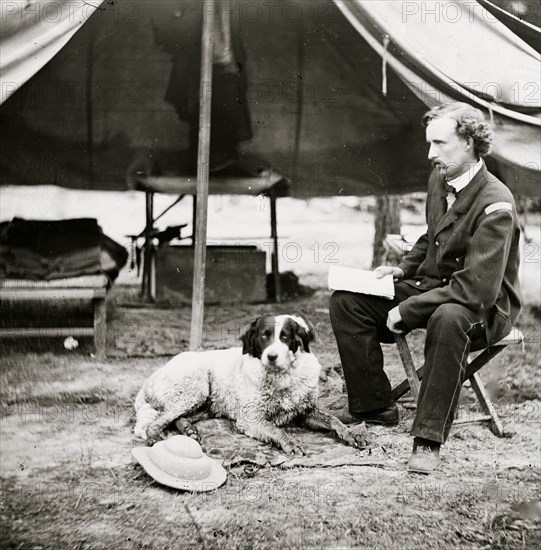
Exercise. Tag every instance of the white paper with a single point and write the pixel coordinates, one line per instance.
(360, 281)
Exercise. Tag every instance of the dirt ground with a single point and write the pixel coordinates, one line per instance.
(68, 479)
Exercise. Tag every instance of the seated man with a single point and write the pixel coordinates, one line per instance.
(459, 281)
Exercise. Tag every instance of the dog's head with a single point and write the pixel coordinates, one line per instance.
(275, 339)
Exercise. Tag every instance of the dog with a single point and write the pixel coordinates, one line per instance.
(267, 383)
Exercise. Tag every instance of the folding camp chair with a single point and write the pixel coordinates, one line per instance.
(414, 376)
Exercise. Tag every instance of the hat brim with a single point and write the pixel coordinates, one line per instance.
(215, 479)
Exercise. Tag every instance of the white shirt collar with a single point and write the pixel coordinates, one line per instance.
(465, 178)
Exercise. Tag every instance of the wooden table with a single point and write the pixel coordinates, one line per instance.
(242, 179)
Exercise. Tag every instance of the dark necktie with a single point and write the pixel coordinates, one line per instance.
(451, 194)
(449, 188)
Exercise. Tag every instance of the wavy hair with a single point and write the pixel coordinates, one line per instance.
(470, 124)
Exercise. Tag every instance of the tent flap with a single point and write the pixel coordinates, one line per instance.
(33, 33)
(297, 86)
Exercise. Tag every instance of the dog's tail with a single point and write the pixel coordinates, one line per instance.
(145, 415)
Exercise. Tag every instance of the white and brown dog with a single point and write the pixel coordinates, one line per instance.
(265, 384)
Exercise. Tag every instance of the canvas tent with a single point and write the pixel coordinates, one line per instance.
(335, 91)
(81, 106)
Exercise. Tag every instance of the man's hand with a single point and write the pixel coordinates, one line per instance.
(394, 321)
(384, 270)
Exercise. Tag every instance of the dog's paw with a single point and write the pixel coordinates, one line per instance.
(194, 434)
(293, 449)
(140, 433)
(188, 430)
(358, 437)
(153, 436)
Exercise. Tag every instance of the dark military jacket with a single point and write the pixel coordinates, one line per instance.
(468, 256)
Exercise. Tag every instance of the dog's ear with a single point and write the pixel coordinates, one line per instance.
(248, 339)
(305, 332)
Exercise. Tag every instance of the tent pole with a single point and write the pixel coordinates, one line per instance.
(200, 251)
(300, 89)
(89, 105)
(274, 255)
(147, 263)
(194, 218)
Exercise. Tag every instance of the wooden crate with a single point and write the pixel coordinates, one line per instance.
(233, 274)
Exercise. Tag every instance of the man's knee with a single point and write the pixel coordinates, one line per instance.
(349, 309)
(339, 303)
(450, 315)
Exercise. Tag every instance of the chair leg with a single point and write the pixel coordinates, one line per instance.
(401, 389)
(486, 404)
(414, 376)
(100, 327)
(409, 367)
(404, 387)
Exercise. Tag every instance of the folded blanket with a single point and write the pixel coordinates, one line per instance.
(46, 250)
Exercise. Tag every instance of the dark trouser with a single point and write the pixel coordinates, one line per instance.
(359, 325)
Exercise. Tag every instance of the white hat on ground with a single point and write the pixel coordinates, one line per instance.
(180, 463)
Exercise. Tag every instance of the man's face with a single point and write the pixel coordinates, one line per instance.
(448, 152)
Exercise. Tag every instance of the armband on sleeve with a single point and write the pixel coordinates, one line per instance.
(495, 207)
